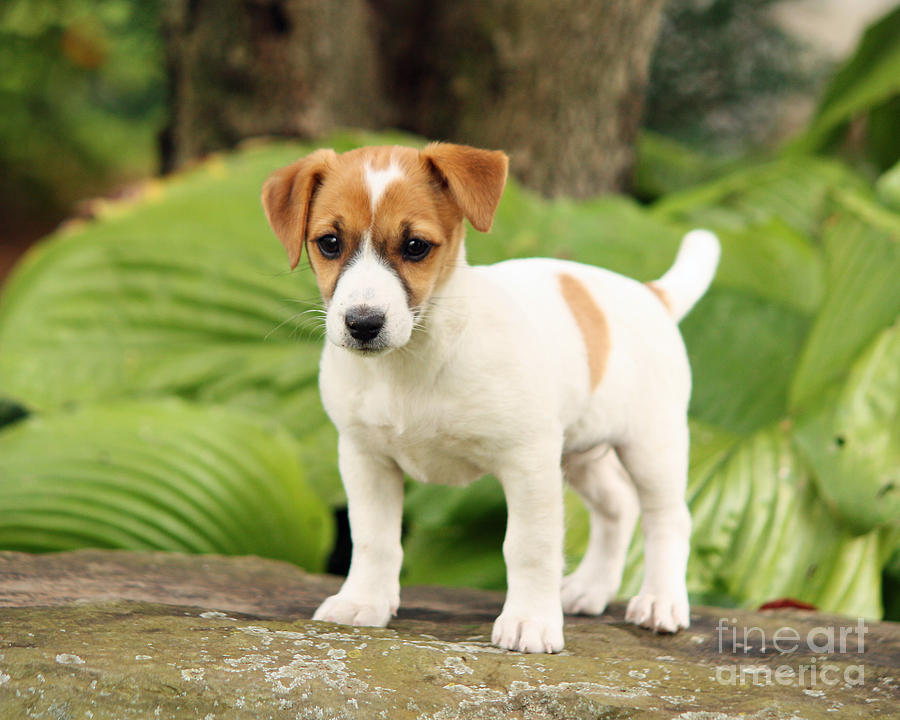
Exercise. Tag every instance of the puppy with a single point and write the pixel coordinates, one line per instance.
(527, 370)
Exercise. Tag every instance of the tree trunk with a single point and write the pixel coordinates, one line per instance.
(559, 85)
(243, 68)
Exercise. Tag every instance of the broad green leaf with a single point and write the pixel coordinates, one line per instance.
(184, 286)
(862, 249)
(774, 263)
(868, 81)
(888, 188)
(613, 232)
(853, 443)
(743, 351)
(455, 535)
(664, 166)
(791, 190)
(162, 475)
(745, 337)
(761, 532)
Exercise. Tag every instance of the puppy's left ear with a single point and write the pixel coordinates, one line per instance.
(286, 197)
(475, 178)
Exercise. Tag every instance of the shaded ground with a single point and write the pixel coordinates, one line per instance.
(107, 634)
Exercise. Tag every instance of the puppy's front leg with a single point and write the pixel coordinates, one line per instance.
(532, 618)
(371, 593)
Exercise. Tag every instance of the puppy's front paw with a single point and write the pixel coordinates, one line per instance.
(347, 610)
(661, 612)
(529, 633)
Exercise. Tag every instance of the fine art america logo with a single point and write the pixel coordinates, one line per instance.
(830, 641)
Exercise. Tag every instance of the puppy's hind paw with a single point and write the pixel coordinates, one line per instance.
(659, 612)
(346, 610)
(582, 595)
(528, 634)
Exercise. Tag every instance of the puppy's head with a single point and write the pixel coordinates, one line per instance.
(383, 228)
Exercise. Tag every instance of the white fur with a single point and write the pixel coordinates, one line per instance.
(368, 281)
(497, 382)
(692, 272)
(377, 182)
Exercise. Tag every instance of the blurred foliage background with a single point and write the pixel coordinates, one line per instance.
(158, 368)
(82, 94)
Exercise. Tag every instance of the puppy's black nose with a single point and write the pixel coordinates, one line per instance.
(364, 323)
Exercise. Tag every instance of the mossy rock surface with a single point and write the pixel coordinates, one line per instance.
(112, 634)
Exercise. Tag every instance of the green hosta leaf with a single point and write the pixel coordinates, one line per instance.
(868, 81)
(746, 337)
(613, 232)
(742, 351)
(791, 190)
(181, 289)
(761, 532)
(888, 188)
(455, 535)
(666, 166)
(862, 247)
(853, 443)
(161, 475)
(775, 263)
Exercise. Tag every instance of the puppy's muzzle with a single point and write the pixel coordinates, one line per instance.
(363, 322)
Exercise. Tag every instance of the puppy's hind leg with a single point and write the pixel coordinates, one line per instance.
(601, 481)
(658, 463)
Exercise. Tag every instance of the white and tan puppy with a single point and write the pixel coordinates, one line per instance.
(526, 370)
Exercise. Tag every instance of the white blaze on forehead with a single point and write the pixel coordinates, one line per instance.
(378, 180)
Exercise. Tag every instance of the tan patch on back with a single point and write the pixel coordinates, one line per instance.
(661, 294)
(592, 323)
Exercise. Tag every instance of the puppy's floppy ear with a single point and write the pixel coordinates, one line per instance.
(286, 196)
(475, 178)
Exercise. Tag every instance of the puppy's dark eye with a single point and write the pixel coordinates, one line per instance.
(329, 245)
(415, 249)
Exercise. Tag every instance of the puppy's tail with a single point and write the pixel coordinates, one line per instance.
(689, 277)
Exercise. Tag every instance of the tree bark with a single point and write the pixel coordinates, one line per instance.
(559, 85)
(244, 68)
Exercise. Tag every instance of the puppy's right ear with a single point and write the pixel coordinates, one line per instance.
(286, 197)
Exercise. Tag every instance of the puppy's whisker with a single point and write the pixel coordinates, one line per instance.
(304, 321)
(280, 325)
(311, 300)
